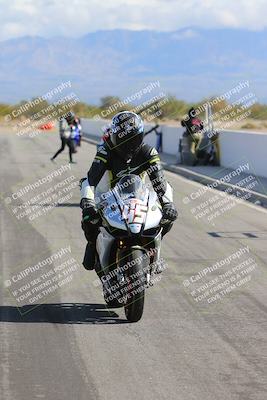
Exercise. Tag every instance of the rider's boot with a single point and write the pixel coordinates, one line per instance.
(89, 259)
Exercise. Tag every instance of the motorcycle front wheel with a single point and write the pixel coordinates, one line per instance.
(135, 279)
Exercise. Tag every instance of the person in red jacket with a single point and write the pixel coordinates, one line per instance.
(192, 123)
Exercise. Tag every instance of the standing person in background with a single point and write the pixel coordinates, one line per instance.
(65, 135)
(194, 127)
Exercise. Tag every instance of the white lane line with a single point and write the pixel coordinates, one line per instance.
(212, 180)
(222, 194)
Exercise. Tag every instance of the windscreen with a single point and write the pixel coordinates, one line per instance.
(131, 186)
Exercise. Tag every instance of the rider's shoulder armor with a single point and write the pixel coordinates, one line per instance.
(102, 153)
(149, 153)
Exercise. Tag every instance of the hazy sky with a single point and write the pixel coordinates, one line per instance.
(77, 17)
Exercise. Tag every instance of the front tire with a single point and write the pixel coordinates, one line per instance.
(113, 304)
(136, 279)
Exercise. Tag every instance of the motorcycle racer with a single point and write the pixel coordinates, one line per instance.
(123, 152)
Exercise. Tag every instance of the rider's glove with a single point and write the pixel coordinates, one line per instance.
(169, 212)
(89, 213)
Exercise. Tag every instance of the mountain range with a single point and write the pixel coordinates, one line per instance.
(190, 63)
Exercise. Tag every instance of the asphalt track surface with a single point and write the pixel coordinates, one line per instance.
(72, 347)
